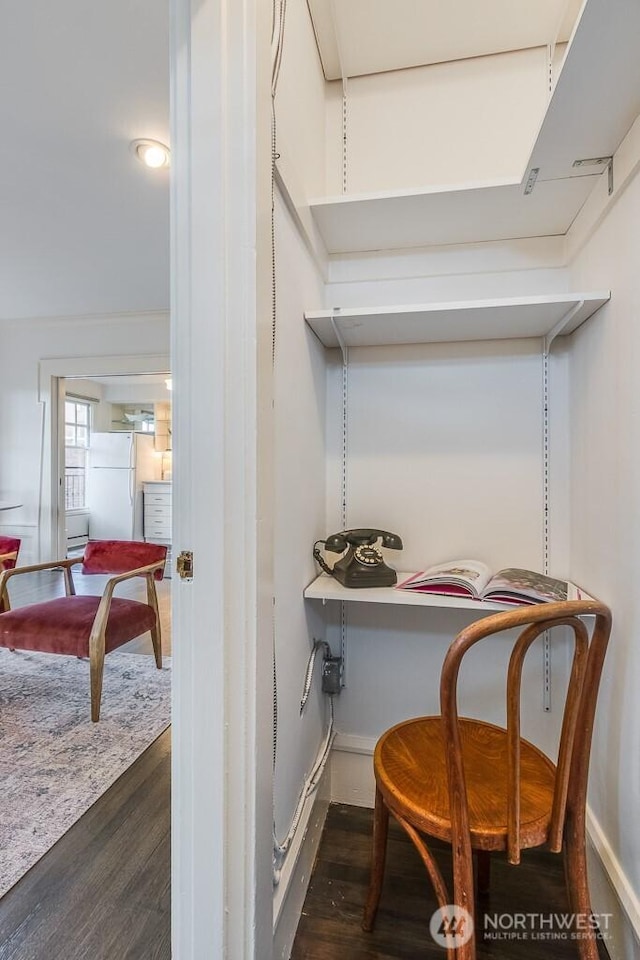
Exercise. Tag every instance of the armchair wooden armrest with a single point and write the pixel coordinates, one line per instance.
(63, 565)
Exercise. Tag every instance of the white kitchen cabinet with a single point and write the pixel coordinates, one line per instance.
(157, 512)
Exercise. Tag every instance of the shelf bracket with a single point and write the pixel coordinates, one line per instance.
(561, 324)
(336, 329)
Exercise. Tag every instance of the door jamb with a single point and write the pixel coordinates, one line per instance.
(50, 372)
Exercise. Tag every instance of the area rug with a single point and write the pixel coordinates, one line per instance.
(54, 762)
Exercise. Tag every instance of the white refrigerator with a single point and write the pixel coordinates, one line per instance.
(119, 463)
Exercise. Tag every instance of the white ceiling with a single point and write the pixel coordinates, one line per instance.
(84, 227)
(357, 37)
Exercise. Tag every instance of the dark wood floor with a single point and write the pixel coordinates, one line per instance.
(103, 891)
(330, 925)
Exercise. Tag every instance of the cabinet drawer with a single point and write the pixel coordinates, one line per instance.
(157, 498)
(156, 528)
(157, 510)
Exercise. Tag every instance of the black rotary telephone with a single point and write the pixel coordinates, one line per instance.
(363, 564)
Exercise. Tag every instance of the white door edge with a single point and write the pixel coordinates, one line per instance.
(221, 363)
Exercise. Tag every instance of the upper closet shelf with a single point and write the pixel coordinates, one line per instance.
(587, 118)
(463, 320)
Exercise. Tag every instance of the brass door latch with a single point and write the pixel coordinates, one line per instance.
(184, 565)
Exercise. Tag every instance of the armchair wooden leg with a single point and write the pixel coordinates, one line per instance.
(156, 639)
(156, 635)
(378, 857)
(96, 669)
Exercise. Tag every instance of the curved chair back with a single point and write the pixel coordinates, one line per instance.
(120, 556)
(570, 789)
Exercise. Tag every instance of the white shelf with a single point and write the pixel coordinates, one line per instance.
(325, 588)
(397, 221)
(463, 320)
(588, 115)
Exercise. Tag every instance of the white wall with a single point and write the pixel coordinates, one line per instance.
(444, 447)
(605, 547)
(450, 123)
(300, 395)
(300, 104)
(24, 420)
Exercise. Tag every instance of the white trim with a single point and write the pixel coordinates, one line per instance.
(221, 349)
(612, 871)
(289, 895)
(352, 778)
(50, 371)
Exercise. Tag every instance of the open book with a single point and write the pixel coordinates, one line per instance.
(473, 579)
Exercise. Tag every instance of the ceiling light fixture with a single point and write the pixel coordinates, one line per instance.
(151, 153)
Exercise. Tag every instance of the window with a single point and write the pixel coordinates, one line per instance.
(76, 442)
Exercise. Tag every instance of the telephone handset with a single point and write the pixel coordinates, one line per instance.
(363, 564)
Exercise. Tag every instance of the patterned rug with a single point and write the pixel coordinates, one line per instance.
(54, 762)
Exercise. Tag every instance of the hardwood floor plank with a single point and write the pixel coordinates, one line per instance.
(102, 892)
(329, 928)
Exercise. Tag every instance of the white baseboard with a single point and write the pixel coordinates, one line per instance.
(352, 778)
(612, 895)
(288, 896)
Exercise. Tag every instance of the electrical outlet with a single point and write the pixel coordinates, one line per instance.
(331, 675)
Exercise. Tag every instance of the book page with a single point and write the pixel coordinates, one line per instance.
(514, 585)
(456, 577)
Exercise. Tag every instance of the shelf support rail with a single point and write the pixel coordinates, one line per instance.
(343, 484)
(546, 349)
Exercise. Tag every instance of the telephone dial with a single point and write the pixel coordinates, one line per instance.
(363, 564)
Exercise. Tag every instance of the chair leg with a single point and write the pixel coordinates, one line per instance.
(156, 635)
(575, 867)
(156, 639)
(96, 669)
(378, 857)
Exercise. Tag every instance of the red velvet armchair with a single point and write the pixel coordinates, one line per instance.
(89, 626)
(9, 549)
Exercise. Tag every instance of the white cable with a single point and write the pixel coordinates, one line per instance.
(281, 849)
(317, 645)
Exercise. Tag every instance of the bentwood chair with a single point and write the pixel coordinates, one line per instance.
(90, 626)
(484, 788)
(9, 549)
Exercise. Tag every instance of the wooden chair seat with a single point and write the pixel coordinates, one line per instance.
(483, 788)
(411, 773)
